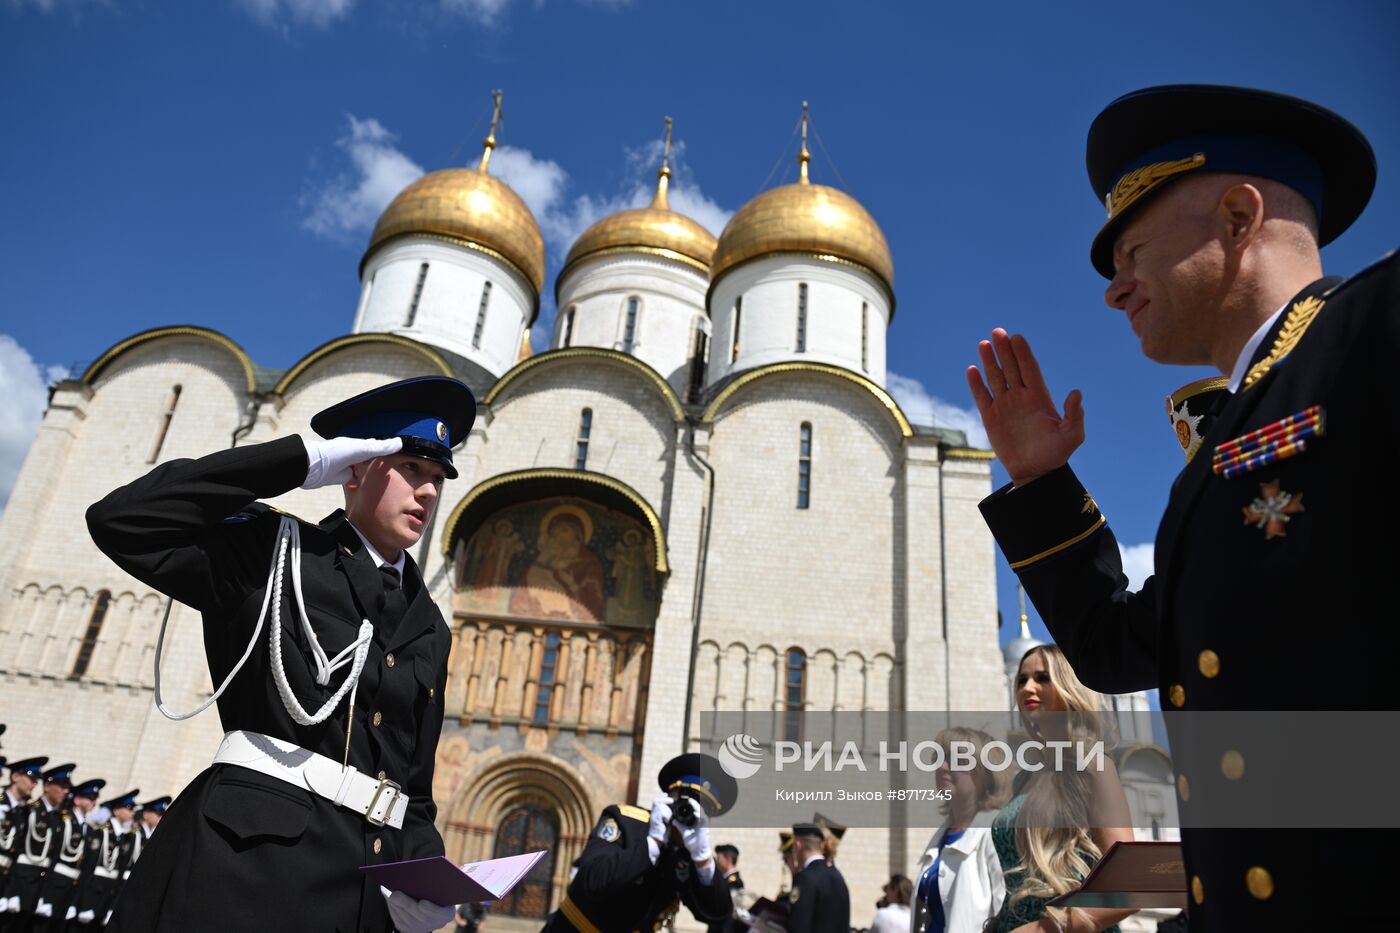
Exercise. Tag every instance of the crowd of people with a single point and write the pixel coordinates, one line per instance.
(64, 855)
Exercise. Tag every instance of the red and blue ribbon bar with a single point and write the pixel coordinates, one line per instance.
(1280, 440)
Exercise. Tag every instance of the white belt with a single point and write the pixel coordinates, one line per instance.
(379, 802)
(110, 874)
(31, 862)
(67, 871)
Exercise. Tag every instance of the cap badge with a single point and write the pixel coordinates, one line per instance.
(442, 432)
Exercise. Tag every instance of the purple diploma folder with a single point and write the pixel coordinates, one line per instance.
(438, 880)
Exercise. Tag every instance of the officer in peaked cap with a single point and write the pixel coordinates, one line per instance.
(40, 826)
(102, 862)
(349, 675)
(59, 889)
(640, 865)
(24, 777)
(820, 900)
(1218, 200)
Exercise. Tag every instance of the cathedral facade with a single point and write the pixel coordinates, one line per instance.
(700, 497)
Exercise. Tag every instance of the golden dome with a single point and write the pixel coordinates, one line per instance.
(469, 206)
(654, 229)
(804, 218)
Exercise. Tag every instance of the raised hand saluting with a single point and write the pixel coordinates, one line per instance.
(1029, 434)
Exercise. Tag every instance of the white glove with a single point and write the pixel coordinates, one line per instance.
(660, 823)
(328, 463)
(86, 916)
(107, 919)
(43, 909)
(697, 838)
(414, 916)
(72, 912)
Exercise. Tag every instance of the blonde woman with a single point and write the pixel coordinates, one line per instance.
(959, 883)
(1052, 833)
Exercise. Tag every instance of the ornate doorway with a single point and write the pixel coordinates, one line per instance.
(528, 828)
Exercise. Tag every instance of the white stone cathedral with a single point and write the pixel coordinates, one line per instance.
(700, 497)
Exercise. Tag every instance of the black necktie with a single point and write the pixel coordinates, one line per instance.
(395, 603)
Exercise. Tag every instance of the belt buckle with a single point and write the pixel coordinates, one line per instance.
(394, 790)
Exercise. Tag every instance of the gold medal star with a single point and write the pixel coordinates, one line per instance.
(1273, 510)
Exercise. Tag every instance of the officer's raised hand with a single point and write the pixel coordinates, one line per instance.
(660, 823)
(1029, 434)
(328, 462)
(696, 838)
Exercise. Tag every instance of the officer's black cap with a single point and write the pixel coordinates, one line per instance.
(60, 774)
(127, 800)
(807, 831)
(1146, 139)
(156, 806)
(432, 414)
(89, 789)
(830, 825)
(701, 777)
(34, 767)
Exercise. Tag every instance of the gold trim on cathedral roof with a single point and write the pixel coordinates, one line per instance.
(804, 218)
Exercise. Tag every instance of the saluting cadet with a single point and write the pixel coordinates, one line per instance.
(102, 863)
(60, 885)
(331, 660)
(42, 825)
(819, 900)
(1267, 564)
(639, 866)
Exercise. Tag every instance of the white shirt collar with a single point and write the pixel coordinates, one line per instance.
(814, 858)
(379, 560)
(1242, 363)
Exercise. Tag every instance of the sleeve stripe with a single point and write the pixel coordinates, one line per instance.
(1061, 546)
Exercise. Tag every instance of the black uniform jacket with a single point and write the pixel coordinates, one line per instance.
(819, 901)
(238, 844)
(617, 889)
(1241, 617)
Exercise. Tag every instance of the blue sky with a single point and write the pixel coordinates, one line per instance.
(220, 163)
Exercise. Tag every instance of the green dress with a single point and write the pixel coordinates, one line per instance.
(1027, 909)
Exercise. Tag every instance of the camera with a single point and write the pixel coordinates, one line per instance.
(684, 812)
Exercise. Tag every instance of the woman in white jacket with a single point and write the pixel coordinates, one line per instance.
(959, 881)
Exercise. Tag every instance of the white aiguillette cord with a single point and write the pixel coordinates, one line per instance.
(354, 654)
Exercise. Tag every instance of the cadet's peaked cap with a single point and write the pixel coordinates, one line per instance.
(830, 825)
(89, 789)
(34, 767)
(431, 413)
(127, 800)
(60, 774)
(702, 777)
(156, 806)
(1146, 139)
(807, 831)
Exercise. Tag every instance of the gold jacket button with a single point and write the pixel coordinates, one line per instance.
(389, 660)
(1198, 890)
(378, 718)
(1183, 787)
(378, 844)
(1232, 765)
(1260, 883)
(1209, 663)
(1177, 694)
(381, 775)
(432, 692)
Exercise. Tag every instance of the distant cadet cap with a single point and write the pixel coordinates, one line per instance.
(34, 767)
(1149, 138)
(60, 774)
(702, 777)
(807, 831)
(156, 806)
(784, 840)
(432, 414)
(127, 800)
(89, 789)
(825, 822)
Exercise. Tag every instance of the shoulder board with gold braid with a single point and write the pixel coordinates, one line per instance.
(634, 813)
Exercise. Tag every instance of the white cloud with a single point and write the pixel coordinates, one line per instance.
(348, 205)
(1137, 563)
(922, 407)
(279, 13)
(481, 12)
(24, 387)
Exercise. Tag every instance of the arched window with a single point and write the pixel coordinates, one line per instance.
(734, 332)
(569, 327)
(165, 419)
(528, 828)
(94, 628)
(794, 693)
(629, 333)
(697, 362)
(417, 294)
(802, 317)
(804, 467)
(585, 428)
(548, 662)
(481, 315)
(864, 335)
